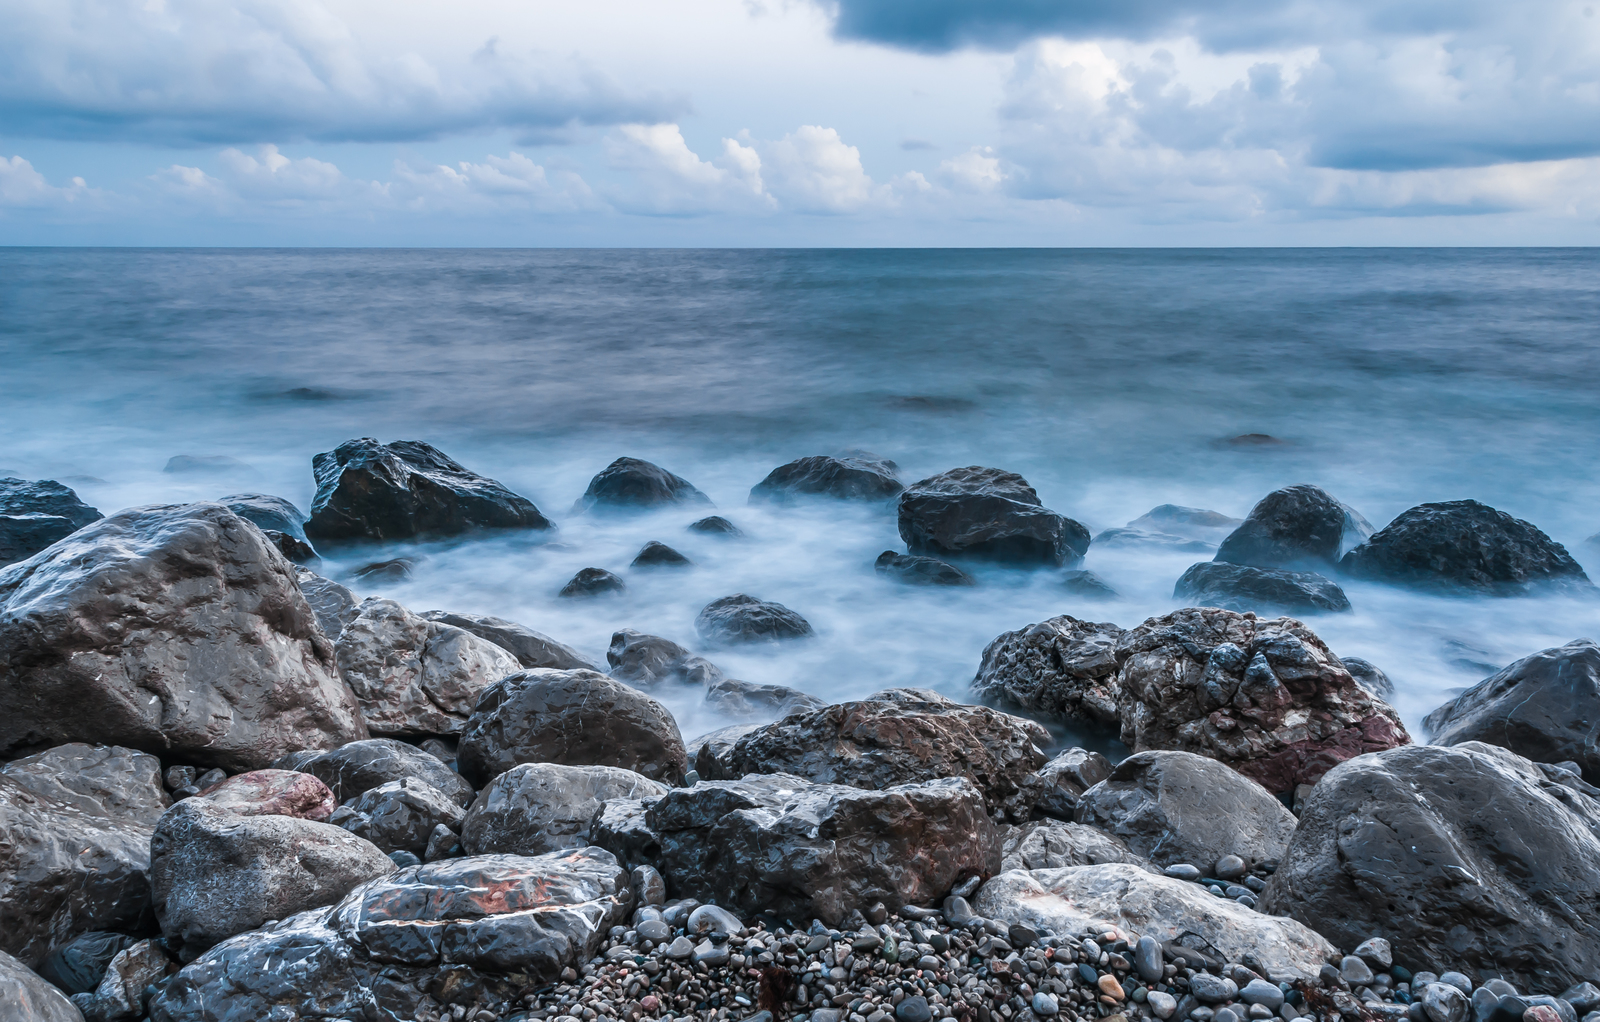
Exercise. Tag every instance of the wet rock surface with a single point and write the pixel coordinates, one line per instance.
(1298, 527)
(361, 766)
(35, 514)
(590, 582)
(273, 793)
(29, 998)
(531, 648)
(333, 605)
(1052, 844)
(399, 816)
(715, 525)
(647, 660)
(1268, 590)
(738, 619)
(744, 700)
(122, 992)
(656, 554)
(631, 483)
(1062, 667)
(911, 570)
(545, 807)
(860, 476)
(987, 513)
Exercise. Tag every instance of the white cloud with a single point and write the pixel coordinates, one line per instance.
(812, 170)
(976, 170)
(664, 176)
(271, 175)
(512, 182)
(23, 186)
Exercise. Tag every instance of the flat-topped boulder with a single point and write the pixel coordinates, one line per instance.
(990, 514)
(1298, 527)
(856, 476)
(35, 514)
(633, 484)
(1062, 667)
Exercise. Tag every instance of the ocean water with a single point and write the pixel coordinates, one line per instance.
(1107, 378)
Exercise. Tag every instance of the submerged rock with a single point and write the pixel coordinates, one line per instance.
(748, 701)
(858, 476)
(641, 659)
(987, 513)
(531, 648)
(545, 807)
(34, 515)
(632, 483)
(353, 769)
(1062, 667)
(1369, 676)
(658, 555)
(1087, 585)
(715, 525)
(1241, 587)
(1298, 527)
(592, 582)
(738, 619)
(1172, 527)
(920, 571)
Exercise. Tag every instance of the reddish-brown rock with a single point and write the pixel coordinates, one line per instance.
(273, 793)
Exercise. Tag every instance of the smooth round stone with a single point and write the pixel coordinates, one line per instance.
(1148, 960)
(1183, 871)
(1022, 936)
(1044, 1003)
(1288, 1012)
(1376, 952)
(928, 962)
(1541, 1013)
(404, 858)
(1247, 900)
(1140, 994)
(1259, 1011)
(1164, 1005)
(1235, 891)
(683, 947)
(1230, 867)
(711, 954)
(1201, 1014)
(1210, 989)
(1484, 1001)
(1500, 988)
(654, 930)
(1226, 1015)
(1356, 972)
(1460, 982)
(913, 1009)
(1445, 1003)
(1562, 1009)
(1259, 991)
(1087, 974)
(711, 919)
(1218, 890)
(1110, 987)
(1584, 997)
(957, 910)
(1510, 1009)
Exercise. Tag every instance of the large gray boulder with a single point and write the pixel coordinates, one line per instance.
(545, 807)
(214, 873)
(855, 476)
(990, 514)
(1265, 696)
(413, 676)
(1545, 707)
(1051, 844)
(531, 648)
(1464, 858)
(361, 766)
(406, 489)
(29, 998)
(807, 850)
(1173, 807)
(1079, 899)
(579, 718)
(377, 952)
(75, 826)
(1061, 667)
(34, 515)
(1299, 527)
(399, 816)
(175, 629)
(632, 484)
(900, 736)
(1268, 590)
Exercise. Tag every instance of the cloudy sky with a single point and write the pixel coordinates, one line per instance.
(799, 122)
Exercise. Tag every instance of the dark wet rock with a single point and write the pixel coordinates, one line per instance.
(413, 676)
(531, 648)
(333, 604)
(715, 525)
(35, 514)
(120, 995)
(1268, 590)
(1545, 707)
(1301, 527)
(1172, 527)
(1266, 697)
(1086, 585)
(453, 924)
(1062, 667)
(593, 582)
(987, 513)
(1462, 544)
(174, 629)
(78, 966)
(214, 874)
(273, 793)
(396, 569)
(860, 476)
(739, 619)
(359, 767)
(298, 551)
(714, 747)
(1465, 858)
(641, 659)
(658, 555)
(1130, 537)
(921, 571)
(629, 483)
(29, 998)
(1249, 440)
(407, 489)
(1369, 677)
(809, 850)
(899, 736)
(545, 807)
(399, 816)
(745, 700)
(1061, 782)
(1174, 807)
(196, 464)
(269, 513)
(75, 825)
(1052, 844)
(579, 718)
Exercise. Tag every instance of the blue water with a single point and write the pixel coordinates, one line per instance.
(1105, 377)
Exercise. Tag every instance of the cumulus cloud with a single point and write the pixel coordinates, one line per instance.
(248, 71)
(21, 186)
(664, 176)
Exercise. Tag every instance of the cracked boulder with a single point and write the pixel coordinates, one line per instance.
(990, 514)
(399, 816)
(1062, 667)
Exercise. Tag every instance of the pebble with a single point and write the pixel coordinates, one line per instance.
(1110, 987)
(1183, 871)
(1148, 959)
(827, 1015)
(1230, 867)
(1444, 1002)
(653, 930)
(683, 947)
(968, 887)
(1540, 1013)
(913, 1009)
(1563, 1010)
(1584, 997)
(1376, 952)
(710, 954)
(1212, 989)
(1163, 1004)
(1259, 991)
(711, 919)
(1045, 1004)
(1225, 1015)
(649, 885)
(1022, 936)
(1461, 982)
(957, 911)
(1355, 972)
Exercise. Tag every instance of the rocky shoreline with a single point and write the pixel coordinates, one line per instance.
(232, 790)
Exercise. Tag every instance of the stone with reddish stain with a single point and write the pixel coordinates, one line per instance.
(273, 793)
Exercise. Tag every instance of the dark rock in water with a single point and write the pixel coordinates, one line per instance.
(1130, 537)
(987, 513)
(806, 850)
(592, 582)
(1301, 527)
(406, 489)
(641, 659)
(334, 605)
(1369, 677)
(34, 515)
(658, 555)
(1254, 440)
(1193, 522)
(716, 525)
(738, 619)
(921, 571)
(631, 483)
(545, 807)
(1087, 585)
(29, 998)
(579, 718)
(1174, 807)
(748, 701)
(75, 826)
(861, 476)
(224, 666)
(1062, 667)
(78, 966)
(195, 464)
(898, 736)
(399, 816)
(1463, 544)
(214, 874)
(1545, 707)
(273, 793)
(372, 955)
(271, 514)
(297, 550)
(353, 769)
(1266, 697)
(396, 569)
(531, 648)
(1465, 858)
(1267, 590)
(715, 747)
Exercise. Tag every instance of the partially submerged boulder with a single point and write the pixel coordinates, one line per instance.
(856, 476)
(656, 554)
(1171, 527)
(531, 648)
(34, 515)
(589, 582)
(911, 570)
(632, 484)
(746, 700)
(273, 793)
(282, 522)
(737, 619)
(408, 489)
(1062, 667)
(175, 629)
(990, 514)
(1298, 527)
(649, 660)
(1268, 590)
(545, 807)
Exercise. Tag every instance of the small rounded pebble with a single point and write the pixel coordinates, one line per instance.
(1164, 1005)
(1230, 867)
(1355, 972)
(1225, 1015)
(1110, 987)
(683, 947)
(1210, 989)
(1376, 952)
(1183, 871)
(913, 1009)
(1148, 960)
(1259, 991)
(1044, 1003)
(1444, 1002)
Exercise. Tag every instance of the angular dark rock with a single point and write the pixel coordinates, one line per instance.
(273, 793)
(395, 569)
(407, 489)
(269, 513)
(921, 571)
(658, 555)
(986, 513)
(34, 515)
(858, 476)
(1462, 544)
(545, 807)
(1545, 707)
(29, 998)
(1465, 858)
(531, 648)
(1369, 677)
(1298, 527)
(1087, 585)
(78, 966)
(744, 700)
(579, 718)
(399, 816)
(1268, 590)
(1059, 785)
(739, 618)
(174, 629)
(1062, 667)
(714, 747)
(641, 659)
(592, 582)
(715, 525)
(120, 995)
(632, 483)
(354, 769)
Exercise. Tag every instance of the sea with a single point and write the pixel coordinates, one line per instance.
(1112, 380)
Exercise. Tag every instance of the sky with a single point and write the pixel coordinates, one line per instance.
(799, 122)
